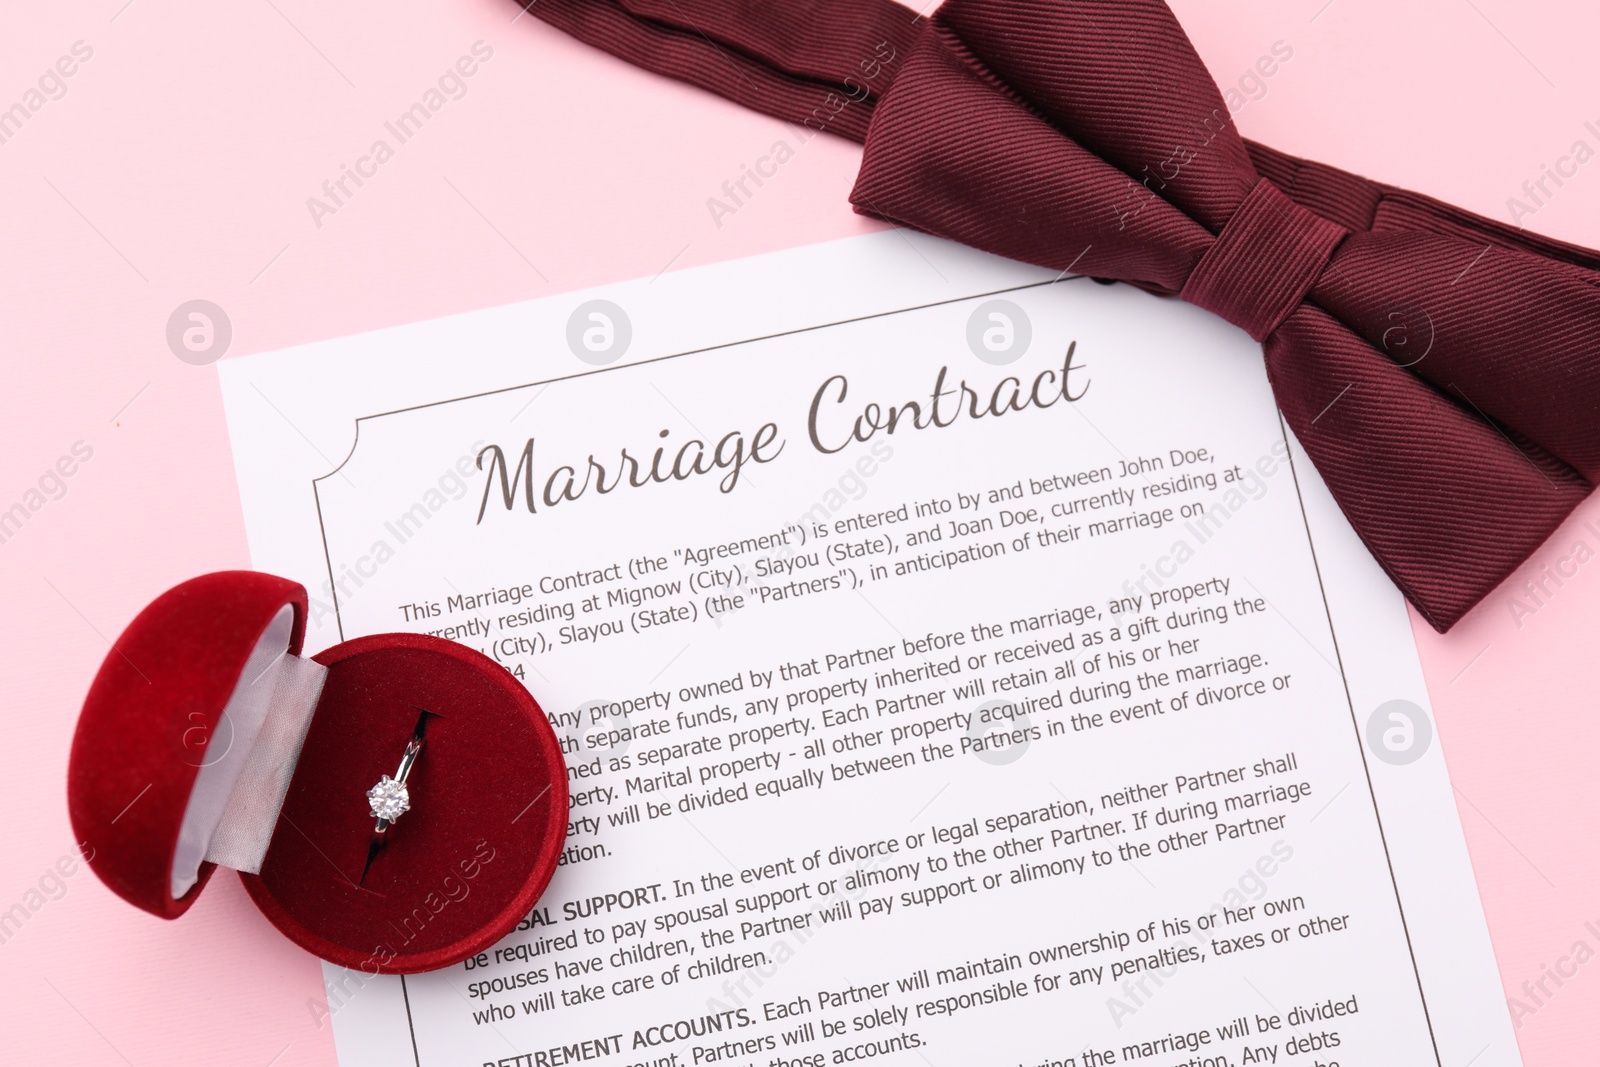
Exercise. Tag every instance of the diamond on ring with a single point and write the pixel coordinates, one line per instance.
(388, 799)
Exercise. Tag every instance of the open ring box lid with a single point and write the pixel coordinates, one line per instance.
(207, 740)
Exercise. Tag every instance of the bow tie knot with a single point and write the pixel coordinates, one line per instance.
(1265, 260)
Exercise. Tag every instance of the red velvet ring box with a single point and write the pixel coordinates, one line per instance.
(207, 740)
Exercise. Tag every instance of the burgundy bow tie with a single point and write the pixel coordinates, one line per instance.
(1437, 366)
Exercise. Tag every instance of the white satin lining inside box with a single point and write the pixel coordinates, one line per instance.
(246, 768)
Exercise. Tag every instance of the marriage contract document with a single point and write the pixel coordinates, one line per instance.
(955, 664)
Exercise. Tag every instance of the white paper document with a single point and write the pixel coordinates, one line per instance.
(955, 664)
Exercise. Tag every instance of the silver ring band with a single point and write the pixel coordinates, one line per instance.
(389, 799)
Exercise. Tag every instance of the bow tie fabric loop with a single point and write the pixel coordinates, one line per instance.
(1439, 368)
(956, 152)
(1453, 501)
(1121, 79)
(1265, 260)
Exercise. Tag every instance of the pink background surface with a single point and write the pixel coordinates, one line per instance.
(177, 165)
